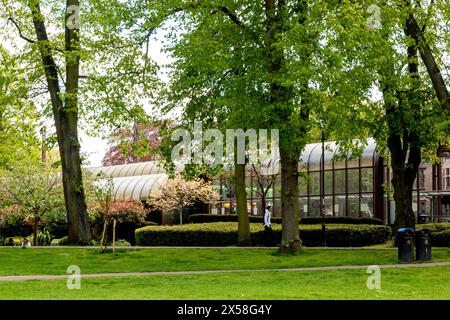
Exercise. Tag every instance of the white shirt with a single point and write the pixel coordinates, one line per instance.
(267, 217)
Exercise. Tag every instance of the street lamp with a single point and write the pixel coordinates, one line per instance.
(322, 185)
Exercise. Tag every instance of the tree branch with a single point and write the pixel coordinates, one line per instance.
(231, 15)
(21, 35)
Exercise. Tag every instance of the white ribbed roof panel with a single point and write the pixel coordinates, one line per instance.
(137, 188)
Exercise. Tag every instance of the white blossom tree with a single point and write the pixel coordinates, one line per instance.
(35, 192)
(178, 193)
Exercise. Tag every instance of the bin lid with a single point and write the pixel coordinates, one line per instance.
(406, 230)
(424, 231)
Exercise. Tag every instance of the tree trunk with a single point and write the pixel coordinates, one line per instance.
(66, 123)
(35, 231)
(244, 238)
(413, 30)
(405, 161)
(263, 203)
(180, 212)
(104, 234)
(114, 235)
(290, 236)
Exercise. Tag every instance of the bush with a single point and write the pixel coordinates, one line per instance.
(57, 229)
(44, 238)
(15, 227)
(208, 218)
(225, 234)
(17, 240)
(440, 233)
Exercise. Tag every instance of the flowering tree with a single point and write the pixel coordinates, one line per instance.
(125, 211)
(34, 192)
(178, 193)
(132, 146)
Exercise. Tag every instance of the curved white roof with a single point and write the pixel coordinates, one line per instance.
(138, 187)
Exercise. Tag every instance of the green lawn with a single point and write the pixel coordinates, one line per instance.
(405, 283)
(17, 261)
(411, 283)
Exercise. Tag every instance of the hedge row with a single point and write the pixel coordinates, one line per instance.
(440, 233)
(225, 234)
(208, 218)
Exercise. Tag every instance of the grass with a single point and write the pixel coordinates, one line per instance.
(45, 261)
(412, 283)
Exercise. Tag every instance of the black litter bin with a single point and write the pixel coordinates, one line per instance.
(405, 239)
(423, 245)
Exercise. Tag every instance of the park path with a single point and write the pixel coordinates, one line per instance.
(170, 273)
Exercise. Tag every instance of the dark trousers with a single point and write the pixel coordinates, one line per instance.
(268, 236)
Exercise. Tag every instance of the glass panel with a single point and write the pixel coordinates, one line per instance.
(340, 206)
(340, 163)
(315, 207)
(249, 189)
(367, 180)
(328, 201)
(328, 182)
(367, 206)
(276, 207)
(330, 148)
(258, 205)
(304, 159)
(353, 163)
(314, 160)
(353, 180)
(227, 189)
(353, 202)
(339, 181)
(367, 162)
(303, 202)
(367, 157)
(314, 183)
(303, 184)
(277, 189)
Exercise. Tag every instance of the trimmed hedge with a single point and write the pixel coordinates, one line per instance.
(15, 228)
(225, 234)
(440, 233)
(209, 218)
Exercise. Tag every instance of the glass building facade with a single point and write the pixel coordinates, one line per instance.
(349, 184)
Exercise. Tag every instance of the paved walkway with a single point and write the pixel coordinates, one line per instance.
(171, 273)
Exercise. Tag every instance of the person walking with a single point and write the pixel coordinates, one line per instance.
(268, 226)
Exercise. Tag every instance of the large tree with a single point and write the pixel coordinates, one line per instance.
(252, 62)
(399, 109)
(94, 72)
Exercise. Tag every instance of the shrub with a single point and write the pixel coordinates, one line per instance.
(43, 238)
(440, 233)
(434, 227)
(15, 226)
(17, 240)
(440, 239)
(225, 234)
(208, 218)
